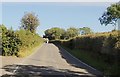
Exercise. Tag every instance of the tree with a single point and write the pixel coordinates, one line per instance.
(54, 33)
(59, 33)
(85, 30)
(111, 15)
(72, 32)
(30, 22)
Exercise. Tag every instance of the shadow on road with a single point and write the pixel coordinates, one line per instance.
(40, 71)
(50, 71)
(73, 62)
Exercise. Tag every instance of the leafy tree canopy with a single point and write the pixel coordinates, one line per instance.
(30, 22)
(85, 30)
(111, 15)
(72, 32)
(54, 33)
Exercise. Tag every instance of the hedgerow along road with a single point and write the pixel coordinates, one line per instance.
(51, 59)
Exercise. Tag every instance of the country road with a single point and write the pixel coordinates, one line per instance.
(52, 60)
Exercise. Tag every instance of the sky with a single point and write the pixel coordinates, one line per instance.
(56, 14)
(59, 0)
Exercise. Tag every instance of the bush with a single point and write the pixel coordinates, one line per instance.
(104, 43)
(29, 39)
(99, 43)
(21, 40)
(109, 45)
(104, 48)
(10, 42)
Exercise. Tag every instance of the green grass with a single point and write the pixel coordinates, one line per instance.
(95, 60)
(28, 51)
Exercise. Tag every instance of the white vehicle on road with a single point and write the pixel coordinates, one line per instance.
(47, 40)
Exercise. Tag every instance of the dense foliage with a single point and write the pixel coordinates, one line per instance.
(54, 33)
(111, 15)
(59, 33)
(104, 47)
(10, 42)
(72, 32)
(85, 30)
(30, 22)
(15, 41)
(28, 39)
(103, 43)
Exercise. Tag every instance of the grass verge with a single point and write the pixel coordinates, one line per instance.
(95, 61)
(27, 51)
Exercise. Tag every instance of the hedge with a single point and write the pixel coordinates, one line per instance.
(15, 41)
(10, 42)
(104, 47)
(101, 43)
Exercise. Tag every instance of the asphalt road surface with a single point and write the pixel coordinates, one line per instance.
(51, 60)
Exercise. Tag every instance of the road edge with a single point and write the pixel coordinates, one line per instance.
(80, 60)
(27, 57)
